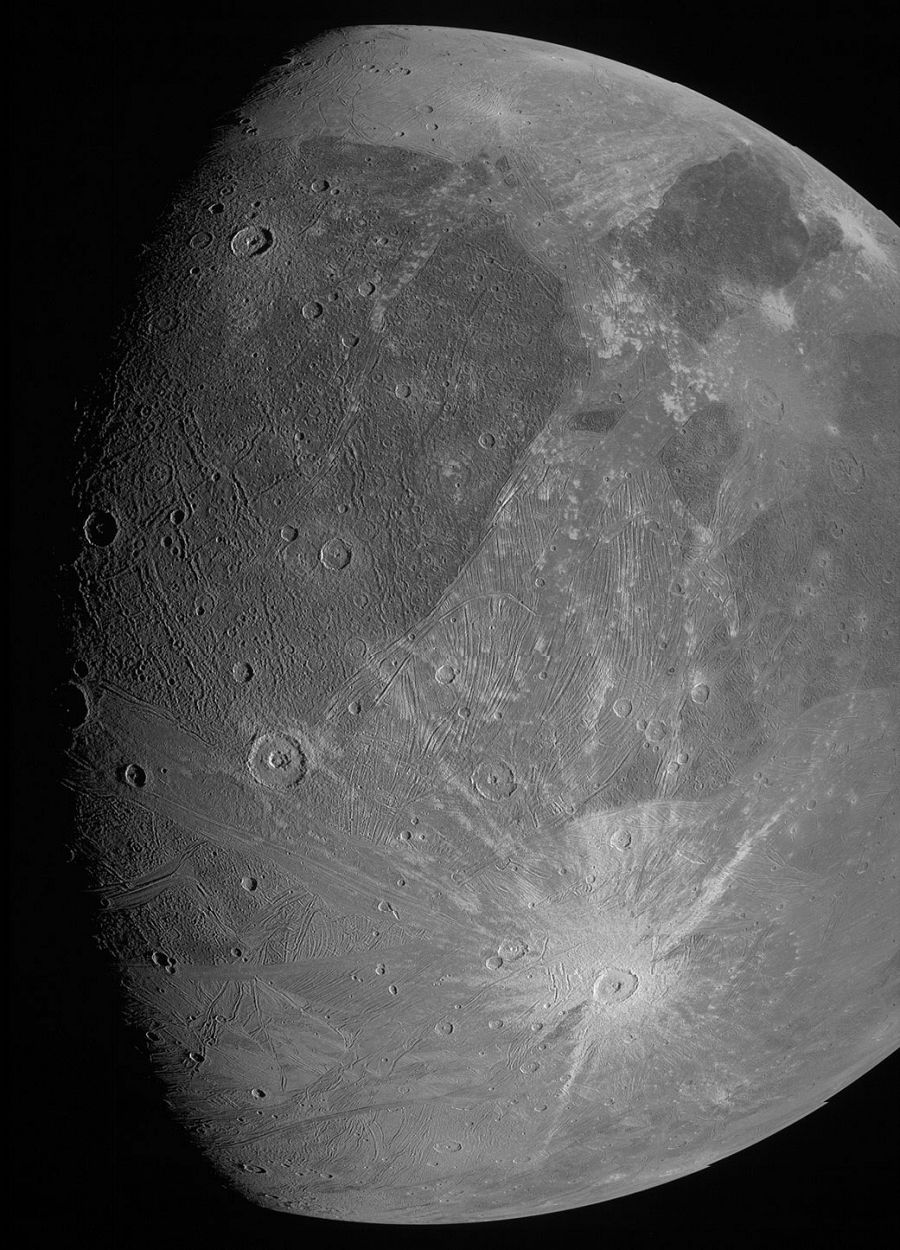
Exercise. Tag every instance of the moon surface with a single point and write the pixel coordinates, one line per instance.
(485, 634)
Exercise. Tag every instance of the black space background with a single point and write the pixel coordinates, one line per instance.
(108, 108)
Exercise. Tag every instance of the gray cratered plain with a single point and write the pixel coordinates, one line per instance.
(486, 634)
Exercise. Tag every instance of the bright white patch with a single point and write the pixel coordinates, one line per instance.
(716, 885)
(858, 235)
(615, 338)
(778, 310)
(674, 407)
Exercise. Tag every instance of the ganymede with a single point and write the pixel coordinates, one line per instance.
(485, 634)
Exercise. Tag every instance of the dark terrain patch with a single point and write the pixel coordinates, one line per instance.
(477, 171)
(696, 458)
(435, 326)
(72, 707)
(826, 237)
(815, 580)
(870, 395)
(595, 420)
(726, 219)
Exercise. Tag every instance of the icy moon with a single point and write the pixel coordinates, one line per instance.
(485, 629)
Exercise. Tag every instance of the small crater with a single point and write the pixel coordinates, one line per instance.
(444, 1028)
(700, 693)
(313, 310)
(101, 528)
(620, 840)
(251, 241)
(512, 948)
(493, 962)
(135, 776)
(494, 780)
(242, 672)
(163, 322)
(622, 708)
(445, 674)
(614, 985)
(335, 554)
(277, 761)
(249, 884)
